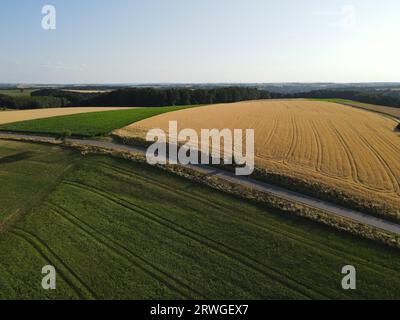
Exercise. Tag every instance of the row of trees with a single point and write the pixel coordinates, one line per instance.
(374, 97)
(9, 102)
(150, 97)
(68, 98)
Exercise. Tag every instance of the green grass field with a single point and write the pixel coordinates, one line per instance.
(115, 229)
(17, 92)
(88, 124)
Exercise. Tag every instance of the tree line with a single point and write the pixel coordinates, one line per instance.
(29, 102)
(151, 97)
(384, 98)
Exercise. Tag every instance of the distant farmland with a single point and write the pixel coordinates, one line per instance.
(17, 92)
(119, 230)
(86, 122)
(23, 115)
(355, 152)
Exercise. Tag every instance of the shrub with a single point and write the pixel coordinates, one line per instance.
(64, 135)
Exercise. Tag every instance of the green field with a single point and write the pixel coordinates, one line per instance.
(115, 229)
(88, 124)
(17, 92)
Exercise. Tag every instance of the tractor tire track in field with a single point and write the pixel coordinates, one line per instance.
(220, 248)
(311, 244)
(391, 175)
(354, 170)
(293, 142)
(389, 145)
(320, 157)
(289, 195)
(183, 194)
(268, 141)
(11, 220)
(350, 158)
(272, 132)
(383, 138)
(318, 166)
(185, 290)
(77, 284)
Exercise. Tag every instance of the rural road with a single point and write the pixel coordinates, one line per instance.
(258, 185)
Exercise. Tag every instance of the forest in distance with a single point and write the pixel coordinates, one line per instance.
(156, 97)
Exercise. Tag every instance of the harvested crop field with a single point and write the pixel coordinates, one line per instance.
(22, 115)
(352, 151)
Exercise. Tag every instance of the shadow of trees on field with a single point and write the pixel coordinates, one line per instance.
(16, 157)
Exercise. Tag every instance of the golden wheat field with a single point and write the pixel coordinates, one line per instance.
(346, 148)
(22, 115)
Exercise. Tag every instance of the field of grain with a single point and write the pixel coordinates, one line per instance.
(23, 115)
(114, 229)
(354, 151)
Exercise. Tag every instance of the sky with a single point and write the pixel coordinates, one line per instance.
(200, 41)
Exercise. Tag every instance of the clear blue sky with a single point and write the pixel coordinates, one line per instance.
(137, 41)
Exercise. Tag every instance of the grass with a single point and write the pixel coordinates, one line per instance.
(88, 124)
(118, 230)
(17, 92)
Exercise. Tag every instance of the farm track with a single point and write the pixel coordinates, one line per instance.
(183, 194)
(7, 223)
(219, 248)
(76, 283)
(313, 245)
(320, 154)
(293, 141)
(268, 140)
(119, 249)
(350, 158)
